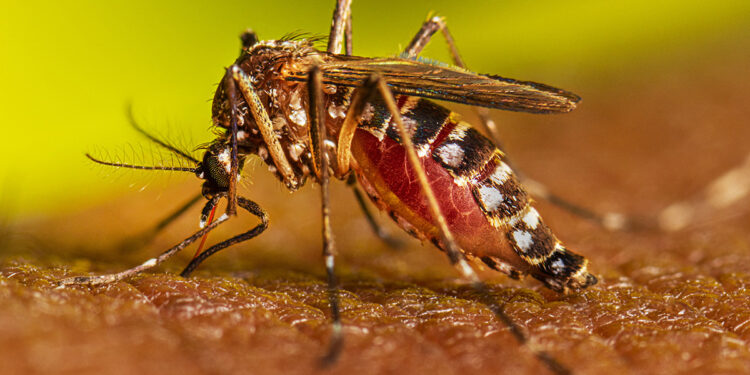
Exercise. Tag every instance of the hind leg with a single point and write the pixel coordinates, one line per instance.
(610, 220)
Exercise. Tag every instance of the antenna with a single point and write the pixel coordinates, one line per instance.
(141, 167)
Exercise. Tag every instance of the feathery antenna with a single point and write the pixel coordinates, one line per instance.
(141, 167)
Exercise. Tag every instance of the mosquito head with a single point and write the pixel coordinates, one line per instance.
(216, 168)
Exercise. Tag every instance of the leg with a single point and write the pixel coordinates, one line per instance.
(241, 79)
(608, 220)
(611, 220)
(343, 155)
(348, 31)
(341, 17)
(318, 132)
(250, 207)
(376, 228)
(417, 44)
(149, 235)
(349, 127)
(451, 248)
(151, 263)
(230, 87)
(722, 193)
(177, 213)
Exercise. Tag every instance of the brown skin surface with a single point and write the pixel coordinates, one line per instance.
(666, 303)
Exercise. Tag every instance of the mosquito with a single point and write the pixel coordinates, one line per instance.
(323, 115)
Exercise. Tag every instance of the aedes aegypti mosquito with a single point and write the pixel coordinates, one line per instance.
(320, 114)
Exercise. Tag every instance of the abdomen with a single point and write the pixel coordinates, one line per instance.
(486, 208)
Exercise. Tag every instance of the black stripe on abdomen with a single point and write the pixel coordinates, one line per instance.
(498, 193)
(423, 119)
(375, 117)
(464, 152)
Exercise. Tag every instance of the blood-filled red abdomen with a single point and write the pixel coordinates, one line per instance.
(384, 171)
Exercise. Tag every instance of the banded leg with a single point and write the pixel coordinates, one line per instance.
(151, 263)
(457, 259)
(420, 41)
(379, 231)
(236, 76)
(148, 235)
(343, 157)
(341, 28)
(231, 91)
(318, 135)
(348, 34)
(250, 207)
(611, 220)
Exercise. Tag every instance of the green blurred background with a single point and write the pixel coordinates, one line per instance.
(68, 68)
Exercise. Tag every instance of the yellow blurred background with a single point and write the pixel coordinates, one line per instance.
(69, 68)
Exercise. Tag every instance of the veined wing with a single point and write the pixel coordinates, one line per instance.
(442, 82)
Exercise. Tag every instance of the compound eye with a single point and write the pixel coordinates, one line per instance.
(217, 167)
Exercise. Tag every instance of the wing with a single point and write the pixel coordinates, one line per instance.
(442, 82)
